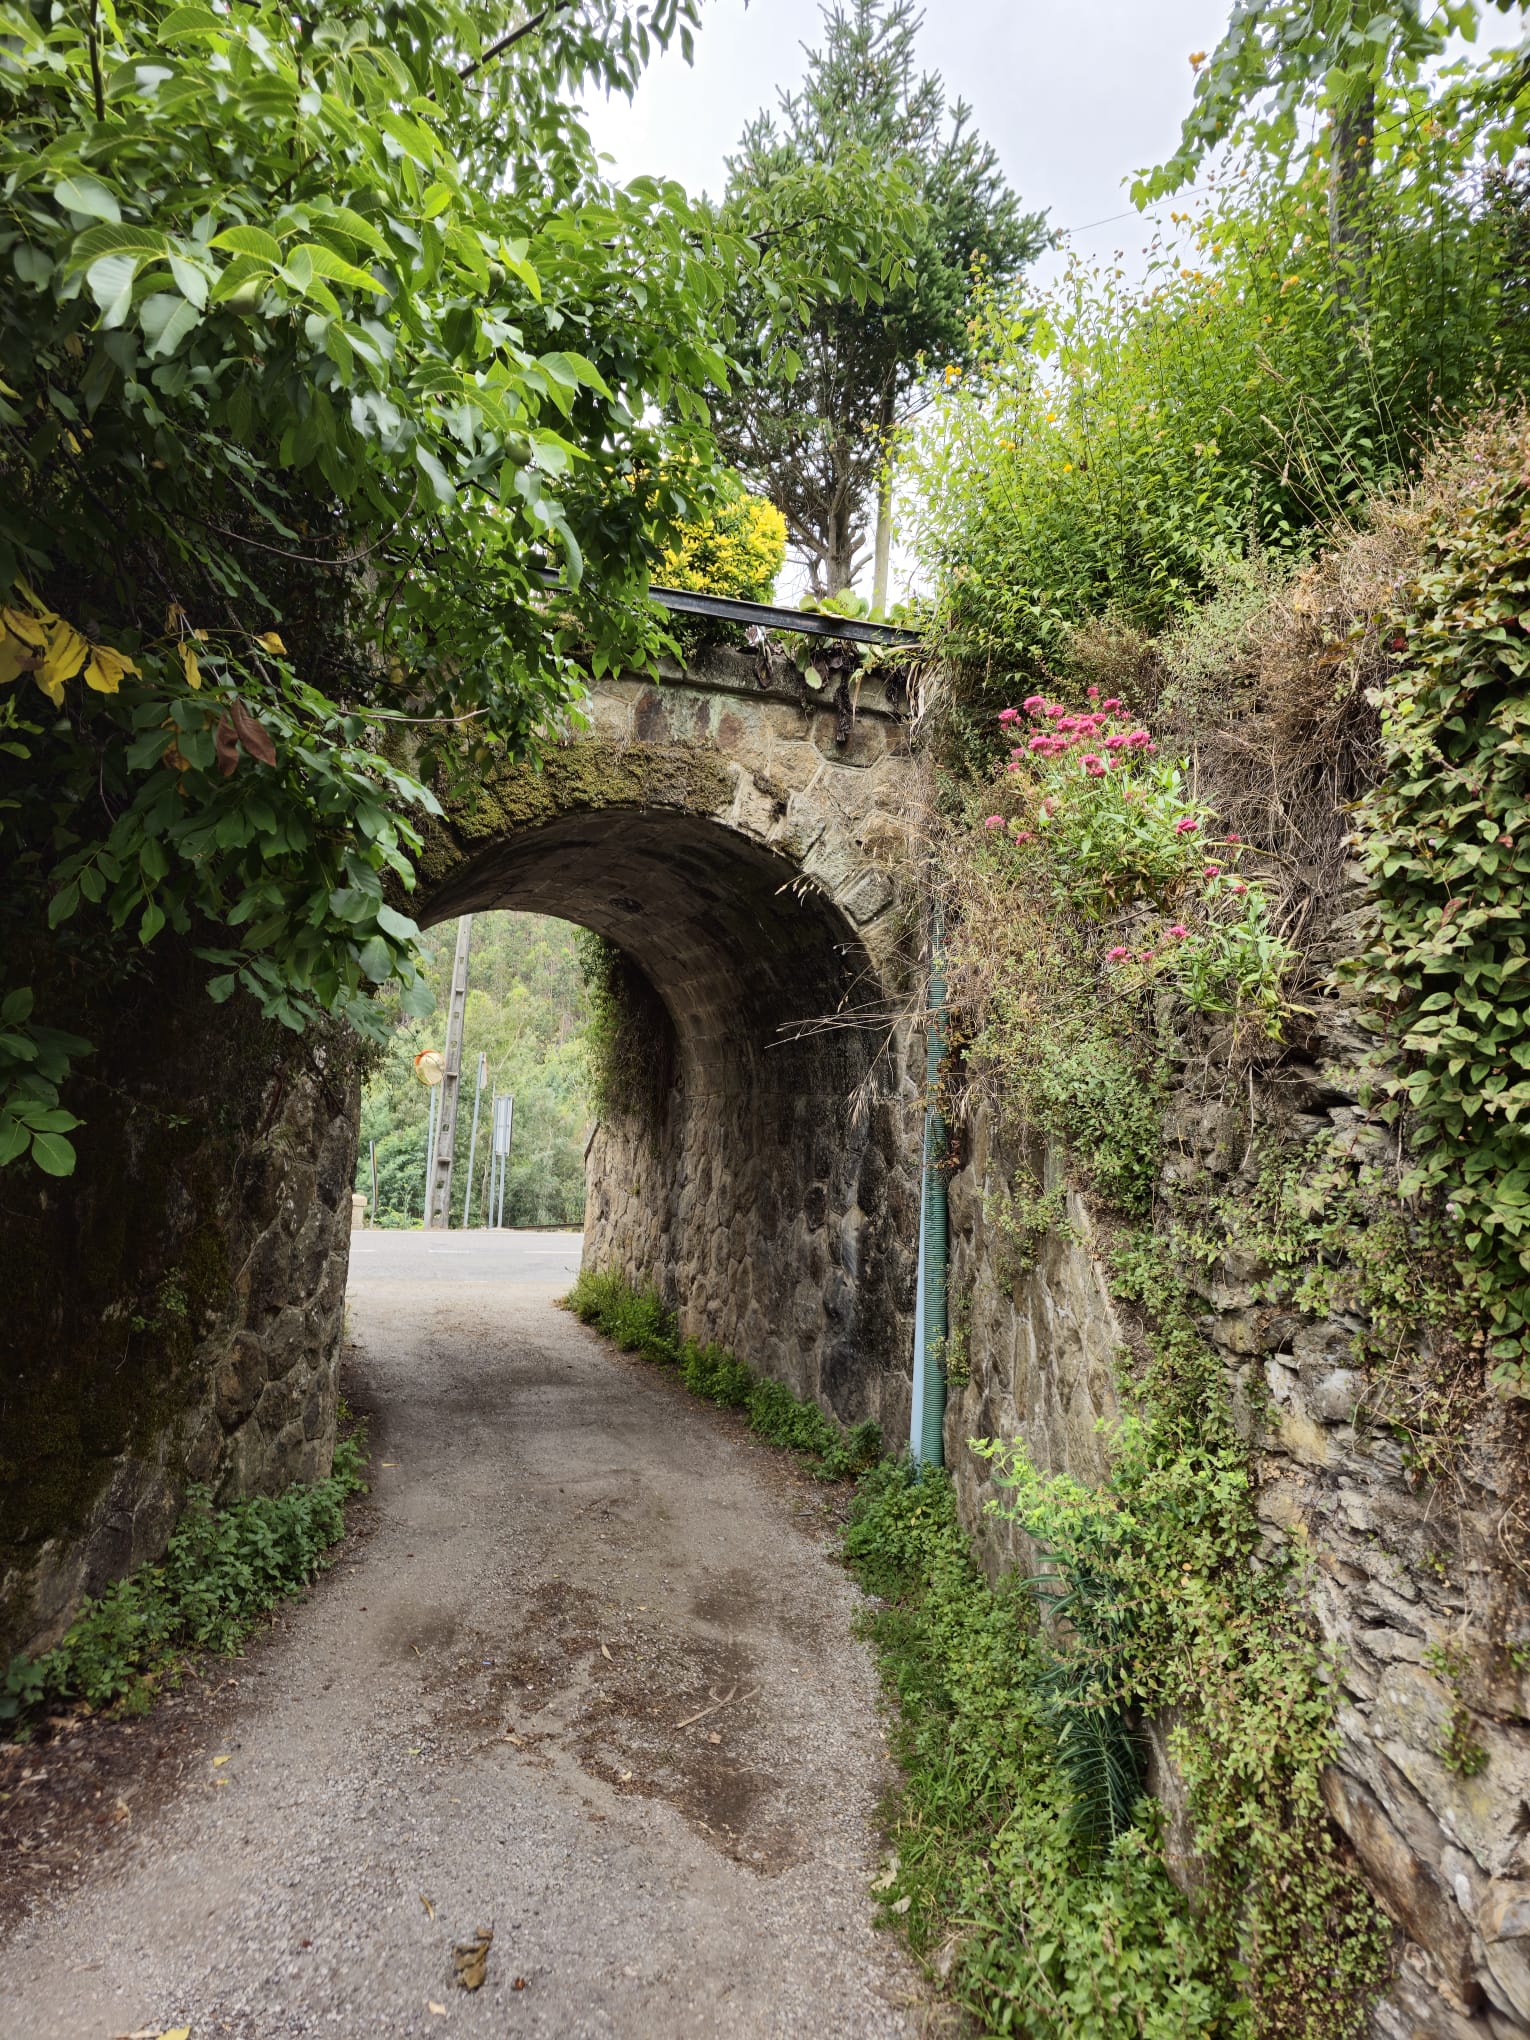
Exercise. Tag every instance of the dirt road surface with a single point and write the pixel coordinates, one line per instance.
(583, 1677)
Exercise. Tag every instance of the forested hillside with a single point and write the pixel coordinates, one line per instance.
(527, 1013)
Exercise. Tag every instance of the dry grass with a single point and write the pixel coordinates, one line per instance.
(1270, 690)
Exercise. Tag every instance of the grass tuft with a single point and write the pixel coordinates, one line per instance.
(637, 1321)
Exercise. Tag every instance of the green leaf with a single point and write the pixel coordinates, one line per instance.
(53, 1154)
(399, 926)
(191, 281)
(95, 242)
(246, 240)
(376, 960)
(325, 262)
(574, 371)
(185, 24)
(88, 195)
(111, 285)
(63, 904)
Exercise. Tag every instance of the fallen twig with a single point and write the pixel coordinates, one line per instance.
(727, 1699)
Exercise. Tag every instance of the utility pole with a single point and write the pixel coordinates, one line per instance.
(438, 1205)
(467, 1195)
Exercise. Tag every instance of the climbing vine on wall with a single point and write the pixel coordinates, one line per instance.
(1447, 848)
(1166, 1615)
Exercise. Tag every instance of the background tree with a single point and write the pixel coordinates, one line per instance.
(1369, 71)
(865, 159)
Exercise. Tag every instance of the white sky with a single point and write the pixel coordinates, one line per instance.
(1075, 95)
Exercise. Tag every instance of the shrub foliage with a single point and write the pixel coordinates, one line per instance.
(221, 1571)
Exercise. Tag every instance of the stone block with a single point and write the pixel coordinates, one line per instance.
(866, 897)
(1503, 1921)
(1410, 1723)
(864, 745)
(1334, 1397)
(238, 1381)
(1406, 1886)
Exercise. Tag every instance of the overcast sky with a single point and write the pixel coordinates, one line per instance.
(1074, 94)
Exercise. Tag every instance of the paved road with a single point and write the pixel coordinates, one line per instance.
(585, 1676)
(534, 1258)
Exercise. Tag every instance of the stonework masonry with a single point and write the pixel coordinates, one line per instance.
(191, 1329)
(746, 845)
(1419, 1585)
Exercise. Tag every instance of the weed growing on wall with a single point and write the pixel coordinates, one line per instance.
(629, 1040)
(1160, 1610)
(1115, 832)
(221, 1571)
(638, 1322)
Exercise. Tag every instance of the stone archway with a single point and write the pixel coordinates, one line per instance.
(745, 851)
(184, 1299)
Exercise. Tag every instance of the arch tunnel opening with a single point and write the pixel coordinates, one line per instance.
(759, 1180)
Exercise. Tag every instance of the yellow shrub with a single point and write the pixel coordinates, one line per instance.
(736, 551)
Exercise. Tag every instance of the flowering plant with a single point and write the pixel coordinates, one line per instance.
(1118, 830)
(1114, 815)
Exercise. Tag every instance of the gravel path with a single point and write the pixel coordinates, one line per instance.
(584, 1678)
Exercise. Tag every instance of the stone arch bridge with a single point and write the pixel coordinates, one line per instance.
(746, 847)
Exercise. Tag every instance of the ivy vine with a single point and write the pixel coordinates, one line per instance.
(1447, 852)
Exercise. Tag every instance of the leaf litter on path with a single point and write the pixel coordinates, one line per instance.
(470, 1959)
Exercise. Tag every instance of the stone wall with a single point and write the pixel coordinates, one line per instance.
(1419, 1583)
(779, 1223)
(176, 1306)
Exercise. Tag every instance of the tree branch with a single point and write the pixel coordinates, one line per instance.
(515, 35)
(94, 39)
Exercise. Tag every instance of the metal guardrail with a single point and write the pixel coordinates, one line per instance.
(766, 616)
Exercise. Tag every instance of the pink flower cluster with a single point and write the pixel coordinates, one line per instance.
(1121, 954)
(1064, 732)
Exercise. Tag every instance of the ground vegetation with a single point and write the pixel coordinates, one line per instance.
(223, 1569)
(638, 1321)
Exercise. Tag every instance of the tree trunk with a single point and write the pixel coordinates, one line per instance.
(839, 552)
(883, 554)
(1349, 188)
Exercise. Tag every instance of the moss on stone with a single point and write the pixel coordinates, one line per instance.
(586, 775)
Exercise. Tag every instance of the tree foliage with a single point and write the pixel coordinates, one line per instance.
(1281, 62)
(867, 158)
(317, 334)
(1122, 442)
(737, 549)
